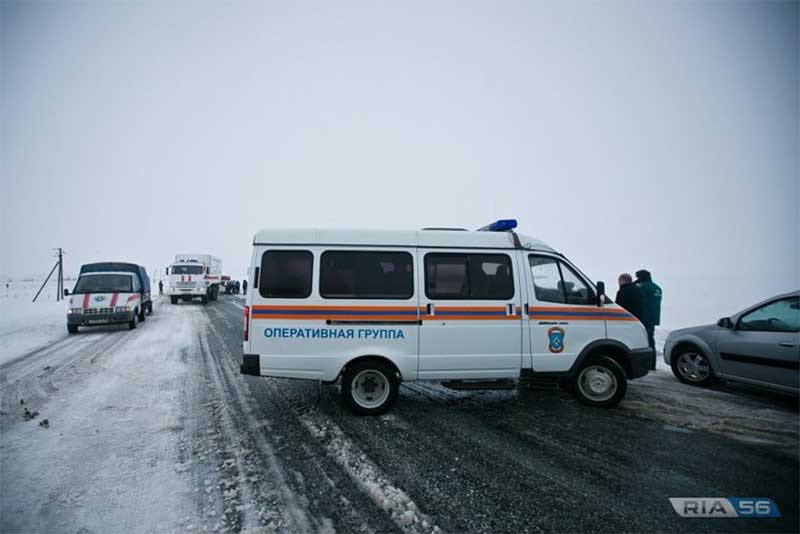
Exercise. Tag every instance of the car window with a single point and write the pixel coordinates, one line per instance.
(577, 291)
(547, 279)
(286, 274)
(468, 276)
(779, 316)
(366, 275)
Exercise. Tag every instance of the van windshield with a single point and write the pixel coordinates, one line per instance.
(104, 283)
(187, 269)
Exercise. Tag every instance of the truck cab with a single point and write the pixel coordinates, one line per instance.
(188, 280)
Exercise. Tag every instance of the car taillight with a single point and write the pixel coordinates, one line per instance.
(247, 323)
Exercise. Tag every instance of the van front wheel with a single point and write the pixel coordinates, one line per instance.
(600, 382)
(370, 387)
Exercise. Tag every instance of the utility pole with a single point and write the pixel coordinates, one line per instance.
(59, 266)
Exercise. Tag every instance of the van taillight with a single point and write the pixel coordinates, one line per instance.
(247, 323)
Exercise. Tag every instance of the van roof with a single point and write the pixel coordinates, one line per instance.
(396, 238)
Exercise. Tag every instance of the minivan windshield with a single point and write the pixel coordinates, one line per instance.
(104, 283)
(187, 269)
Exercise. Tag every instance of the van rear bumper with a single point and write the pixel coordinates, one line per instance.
(640, 360)
(250, 365)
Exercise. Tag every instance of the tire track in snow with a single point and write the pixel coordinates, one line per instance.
(241, 432)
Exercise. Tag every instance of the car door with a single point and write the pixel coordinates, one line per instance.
(471, 315)
(764, 344)
(562, 312)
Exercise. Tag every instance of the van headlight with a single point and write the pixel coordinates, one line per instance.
(123, 309)
(72, 311)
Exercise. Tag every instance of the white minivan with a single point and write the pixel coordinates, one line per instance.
(376, 307)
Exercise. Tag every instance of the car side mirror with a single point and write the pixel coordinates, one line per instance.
(66, 292)
(601, 293)
(725, 322)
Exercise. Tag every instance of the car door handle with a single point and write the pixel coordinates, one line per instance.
(787, 345)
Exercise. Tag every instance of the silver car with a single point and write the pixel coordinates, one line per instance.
(760, 346)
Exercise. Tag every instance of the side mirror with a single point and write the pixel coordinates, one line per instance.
(601, 293)
(725, 322)
(66, 292)
(166, 271)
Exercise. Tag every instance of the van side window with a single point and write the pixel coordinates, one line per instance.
(366, 275)
(555, 281)
(286, 274)
(468, 277)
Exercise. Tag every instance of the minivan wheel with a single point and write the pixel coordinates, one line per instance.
(690, 366)
(72, 328)
(600, 382)
(135, 321)
(370, 387)
(143, 314)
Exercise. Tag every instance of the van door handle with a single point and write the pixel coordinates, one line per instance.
(786, 344)
(527, 309)
(510, 309)
(429, 309)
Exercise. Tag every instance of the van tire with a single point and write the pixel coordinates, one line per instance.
(173, 300)
(72, 328)
(150, 308)
(143, 315)
(600, 382)
(370, 387)
(133, 323)
(204, 299)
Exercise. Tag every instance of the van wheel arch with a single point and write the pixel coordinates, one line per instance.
(610, 348)
(370, 357)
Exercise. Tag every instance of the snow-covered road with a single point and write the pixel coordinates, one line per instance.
(154, 430)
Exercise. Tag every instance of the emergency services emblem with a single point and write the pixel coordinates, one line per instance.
(556, 336)
(99, 299)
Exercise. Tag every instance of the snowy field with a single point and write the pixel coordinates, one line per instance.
(25, 325)
(154, 430)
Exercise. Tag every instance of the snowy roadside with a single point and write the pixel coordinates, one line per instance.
(106, 460)
(26, 326)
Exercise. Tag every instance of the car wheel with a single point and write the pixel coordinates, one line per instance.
(143, 314)
(150, 308)
(173, 300)
(690, 366)
(600, 382)
(133, 323)
(204, 299)
(72, 328)
(370, 387)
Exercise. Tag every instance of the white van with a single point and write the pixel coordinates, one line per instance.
(378, 307)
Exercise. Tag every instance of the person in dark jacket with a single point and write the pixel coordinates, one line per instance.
(651, 307)
(629, 296)
(244, 287)
(160, 287)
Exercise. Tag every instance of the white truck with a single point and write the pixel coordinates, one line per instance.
(194, 276)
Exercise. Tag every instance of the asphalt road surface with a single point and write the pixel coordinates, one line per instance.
(155, 430)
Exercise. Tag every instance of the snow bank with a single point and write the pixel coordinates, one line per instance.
(26, 326)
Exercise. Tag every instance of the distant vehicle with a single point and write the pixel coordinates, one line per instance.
(230, 287)
(474, 310)
(109, 293)
(759, 346)
(194, 276)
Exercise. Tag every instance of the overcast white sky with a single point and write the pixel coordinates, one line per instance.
(648, 134)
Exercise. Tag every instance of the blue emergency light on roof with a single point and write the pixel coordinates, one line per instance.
(502, 225)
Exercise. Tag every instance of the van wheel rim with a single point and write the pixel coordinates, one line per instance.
(693, 366)
(597, 383)
(370, 389)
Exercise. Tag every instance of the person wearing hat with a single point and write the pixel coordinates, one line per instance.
(651, 308)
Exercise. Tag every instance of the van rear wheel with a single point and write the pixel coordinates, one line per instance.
(600, 382)
(370, 387)
(133, 323)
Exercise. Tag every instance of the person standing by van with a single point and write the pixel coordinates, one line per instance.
(160, 287)
(629, 295)
(651, 307)
(244, 287)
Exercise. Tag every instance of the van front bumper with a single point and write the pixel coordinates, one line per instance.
(91, 319)
(640, 360)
